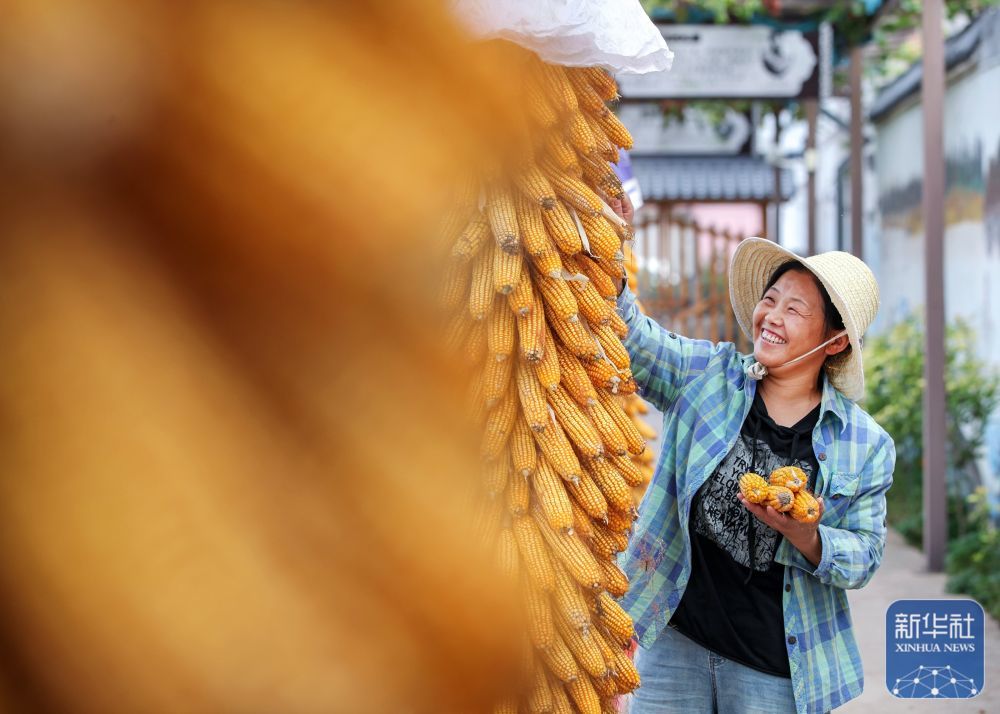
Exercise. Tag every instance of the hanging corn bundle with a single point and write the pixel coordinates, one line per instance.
(535, 259)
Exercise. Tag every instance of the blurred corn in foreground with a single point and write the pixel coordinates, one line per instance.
(233, 475)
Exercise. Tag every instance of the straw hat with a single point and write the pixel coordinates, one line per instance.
(847, 279)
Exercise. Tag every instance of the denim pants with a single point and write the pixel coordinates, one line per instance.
(679, 675)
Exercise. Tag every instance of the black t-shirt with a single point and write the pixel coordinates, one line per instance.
(732, 603)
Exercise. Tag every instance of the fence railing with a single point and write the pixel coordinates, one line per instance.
(684, 275)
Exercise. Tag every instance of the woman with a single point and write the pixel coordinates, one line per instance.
(737, 607)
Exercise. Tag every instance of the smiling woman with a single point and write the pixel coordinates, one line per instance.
(748, 585)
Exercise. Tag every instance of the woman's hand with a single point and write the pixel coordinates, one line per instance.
(623, 208)
(804, 536)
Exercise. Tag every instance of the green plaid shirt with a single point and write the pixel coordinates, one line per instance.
(701, 388)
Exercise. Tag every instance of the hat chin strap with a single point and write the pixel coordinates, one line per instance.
(756, 371)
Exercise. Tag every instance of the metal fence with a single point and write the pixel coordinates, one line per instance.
(683, 278)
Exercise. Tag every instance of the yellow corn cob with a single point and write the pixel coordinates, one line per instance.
(604, 242)
(557, 449)
(472, 239)
(613, 129)
(805, 507)
(599, 174)
(626, 675)
(475, 349)
(581, 136)
(603, 375)
(500, 327)
(559, 152)
(559, 660)
(606, 687)
(615, 619)
(791, 477)
(507, 553)
(612, 405)
(456, 333)
(533, 183)
(602, 82)
(753, 487)
(573, 336)
(506, 270)
(524, 455)
(615, 581)
(604, 543)
(618, 325)
(487, 520)
(627, 469)
(481, 291)
(627, 385)
(541, 626)
(552, 497)
(611, 483)
(607, 650)
(495, 474)
(532, 398)
(534, 554)
(540, 694)
(779, 498)
(518, 493)
(548, 263)
(568, 601)
(533, 236)
(614, 350)
(560, 700)
(611, 435)
(589, 496)
(539, 108)
(584, 649)
(496, 378)
(582, 692)
(558, 297)
(582, 525)
(576, 423)
(620, 521)
(547, 369)
(604, 284)
(573, 191)
(572, 552)
(499, 423)
(454, 286)
(560, 91)
(605, 149)
(531, 331)
(502, 216)
(562, 229)
(508, 705)
(521, 300)
(595, 309)
(586, 96)
(575, 378)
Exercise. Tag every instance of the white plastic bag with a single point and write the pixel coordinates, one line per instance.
(615, 34)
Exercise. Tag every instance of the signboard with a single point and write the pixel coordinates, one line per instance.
(656, 133)
(731, 62)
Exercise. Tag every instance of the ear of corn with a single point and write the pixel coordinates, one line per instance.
(805, 507)
(547, 368)
(531, 331)
(552, 497)
(583, 647)
(521, 300)
(753, 487)
(518, 493)
(506, 270)
(791, 477)
(502, 217)
(472, 239)
(576, 423)
(614, 488)
(534, 554)
(779, 498)
(500, 329)
(582, 692)
(533, 405)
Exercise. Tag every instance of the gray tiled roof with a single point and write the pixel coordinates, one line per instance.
(708, 178)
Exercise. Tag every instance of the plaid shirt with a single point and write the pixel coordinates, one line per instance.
(705, 396)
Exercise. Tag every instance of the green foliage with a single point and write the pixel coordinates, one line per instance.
(894, 376)
(973, 560)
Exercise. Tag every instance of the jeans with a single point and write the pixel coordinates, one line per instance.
(679, 675)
